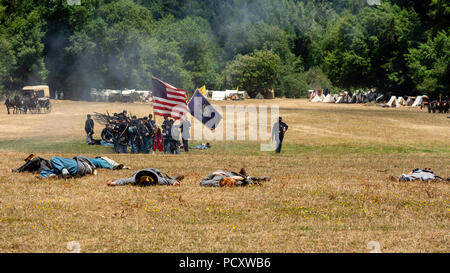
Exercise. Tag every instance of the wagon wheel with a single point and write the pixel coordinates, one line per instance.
(24, 109)
(48, 108)
(34, 110)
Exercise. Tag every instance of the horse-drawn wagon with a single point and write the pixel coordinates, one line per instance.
(37, 99)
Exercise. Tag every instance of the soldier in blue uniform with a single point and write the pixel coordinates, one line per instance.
(279, 130)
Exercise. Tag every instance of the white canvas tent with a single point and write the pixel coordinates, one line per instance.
(144, 93)
(318, 98)
(310, 93)
(418, 101)
(401, 101)
(219, 95)
(393, 102)
(329, 99)
(127, 92)
(223, 95)
(410, 101)
(242, 94)
(259, 96)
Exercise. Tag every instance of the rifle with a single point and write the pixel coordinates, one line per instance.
(101, 118)
(109, 117)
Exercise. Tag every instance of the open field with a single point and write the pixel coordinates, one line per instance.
(329, 191)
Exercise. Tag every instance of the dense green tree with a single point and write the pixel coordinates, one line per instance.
(7, 58)
(396, 47)
(430, 66)
(7, 61)
(316, 78)
(163, 60)
(440, 14)
(107, 51)
(197, 47)
(255, 72)
(291, 85)
(368, 49)
(21, 30)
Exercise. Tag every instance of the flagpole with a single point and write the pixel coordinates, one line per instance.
(153, 101)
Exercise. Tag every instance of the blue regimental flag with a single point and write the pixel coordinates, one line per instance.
(202, 110)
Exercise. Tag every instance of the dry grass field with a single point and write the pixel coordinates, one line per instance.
(330, 189)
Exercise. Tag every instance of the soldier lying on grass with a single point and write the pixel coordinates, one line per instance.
(148, 177)
(420, 174)
(232, 179)
(60, 167)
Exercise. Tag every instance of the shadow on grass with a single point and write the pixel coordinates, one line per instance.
(50, 146)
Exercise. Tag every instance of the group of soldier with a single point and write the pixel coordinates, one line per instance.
(128, 133)
(140, 135)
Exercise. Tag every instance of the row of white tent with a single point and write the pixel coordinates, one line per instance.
(410, 101)
(107, 94)
(393, 102)
(328, 98)
(223, 95)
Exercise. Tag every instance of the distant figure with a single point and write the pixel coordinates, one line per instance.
(164, 127)
(56, 95)
(279, 129)
(61, 95)
(175, 138)
(167, 138)
(133, 135)
(122, 137)
(89, 129)
(124, 115)
(157, 141)
(107, 134)
(144, 135)
(186, 134)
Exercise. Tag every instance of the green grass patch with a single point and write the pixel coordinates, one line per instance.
(225, 148)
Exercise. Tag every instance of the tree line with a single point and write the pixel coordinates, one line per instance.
(399, 47)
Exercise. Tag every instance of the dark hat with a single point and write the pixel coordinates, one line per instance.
(243, 172)
(146, 178)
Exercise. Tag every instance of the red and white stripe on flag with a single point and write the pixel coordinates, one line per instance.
(170, 102)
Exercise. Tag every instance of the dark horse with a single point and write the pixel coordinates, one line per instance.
(15, 104)
(442, 106)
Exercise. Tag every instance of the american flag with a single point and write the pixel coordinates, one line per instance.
(168, 100)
